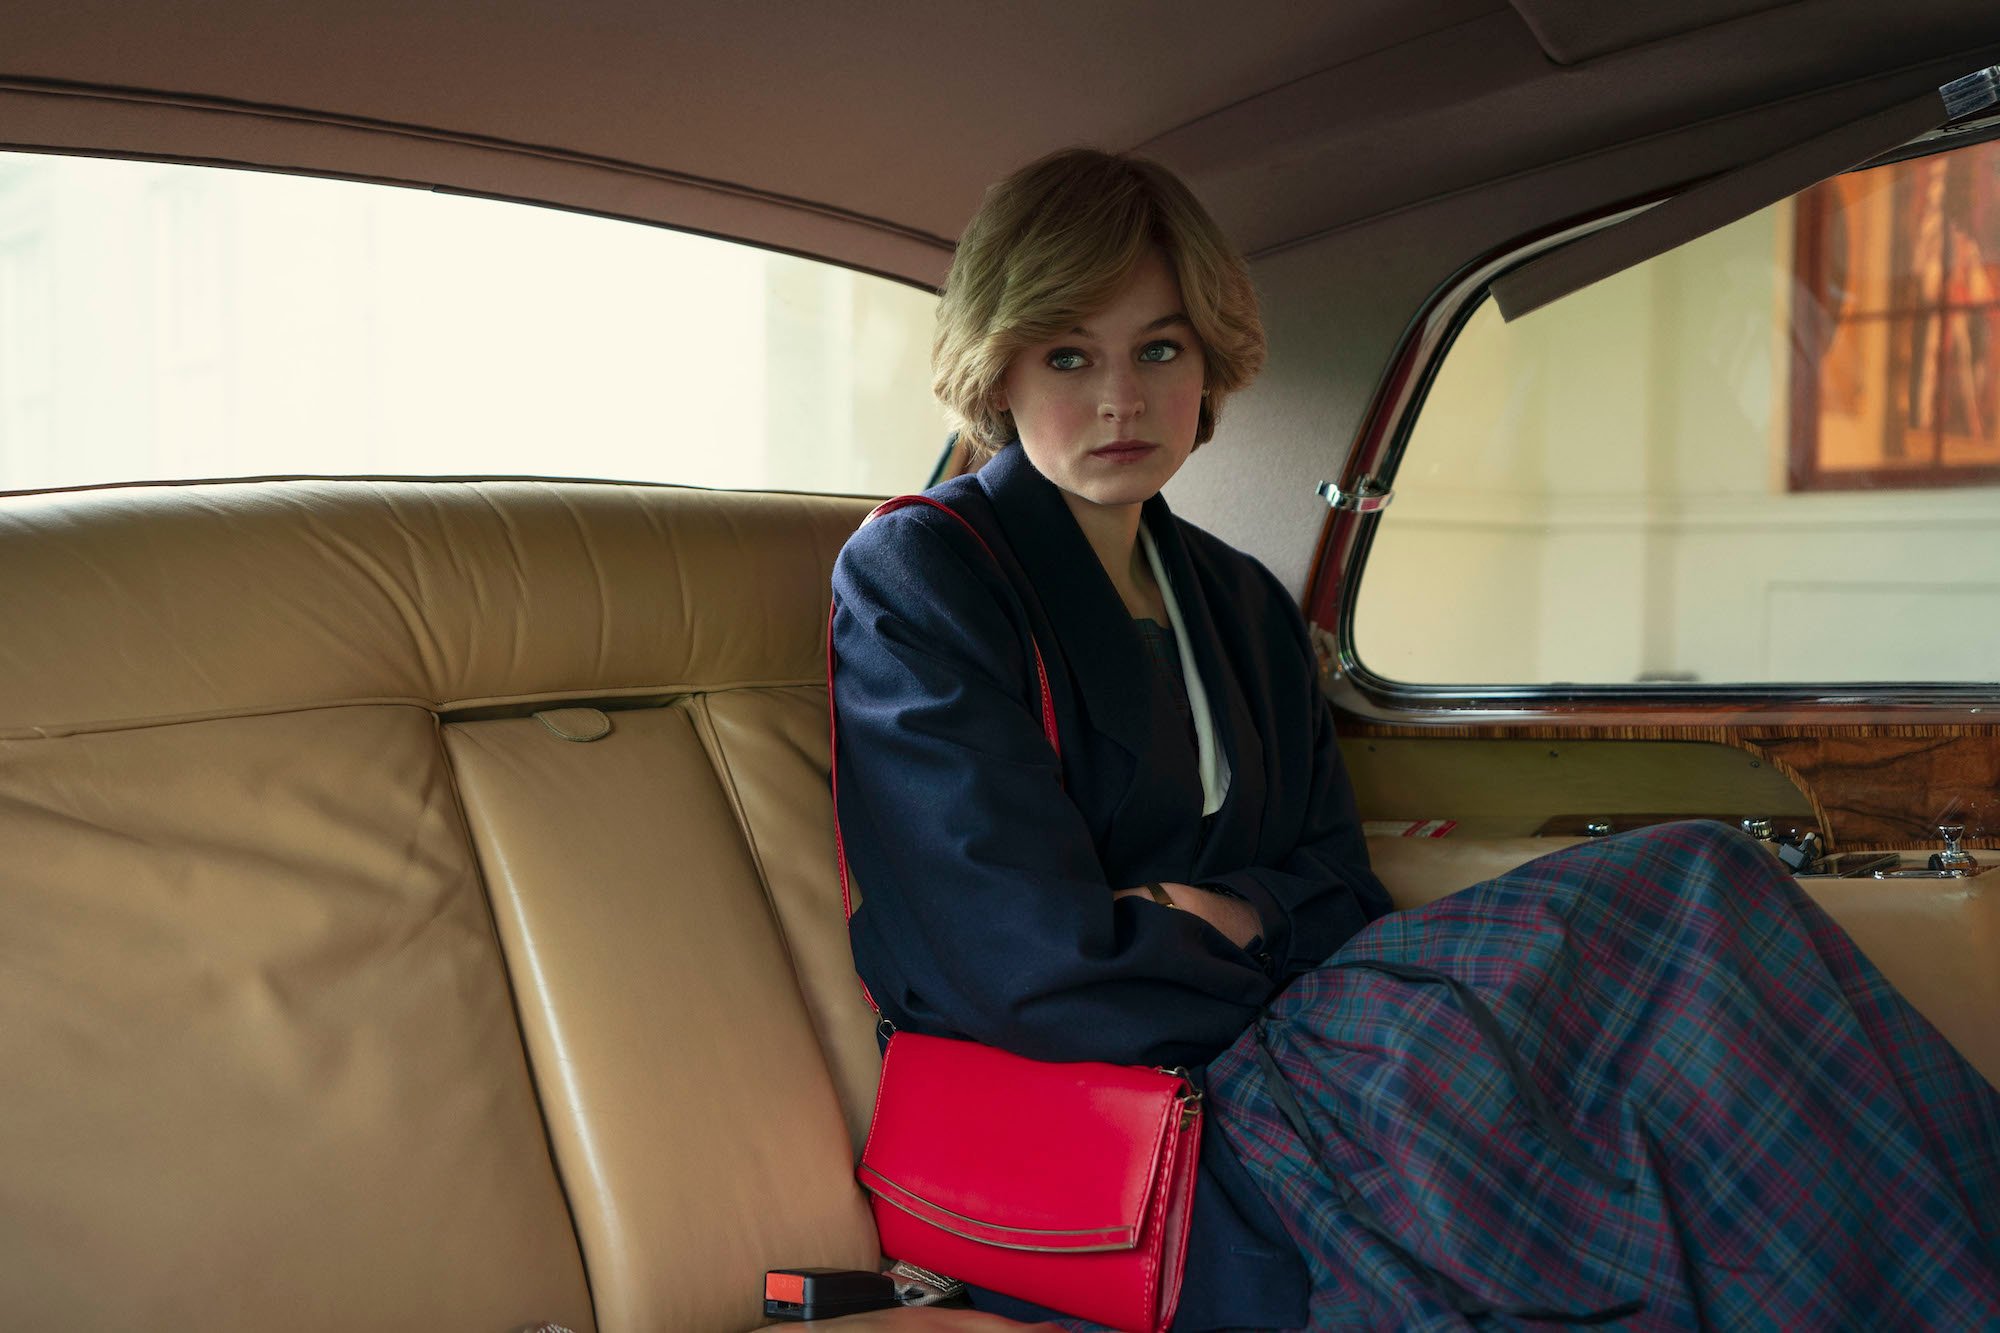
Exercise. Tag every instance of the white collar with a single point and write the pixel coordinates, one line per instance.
(1213, 763)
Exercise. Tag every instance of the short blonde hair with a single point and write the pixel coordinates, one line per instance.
(1051, 245)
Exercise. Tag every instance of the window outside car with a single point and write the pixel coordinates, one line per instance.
(162, 322)
(1772, 455)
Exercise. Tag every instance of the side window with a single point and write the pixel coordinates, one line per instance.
(1772, 455)
(160, 322)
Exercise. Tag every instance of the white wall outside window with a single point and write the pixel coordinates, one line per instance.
(165, 322)
(1597, 494)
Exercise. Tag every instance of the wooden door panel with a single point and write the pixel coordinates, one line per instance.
(1881, 781)
(1892, 791)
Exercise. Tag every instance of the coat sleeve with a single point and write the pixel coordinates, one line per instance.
(1323, 892)
(986, 911)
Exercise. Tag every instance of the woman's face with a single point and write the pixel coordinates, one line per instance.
(1108, 411)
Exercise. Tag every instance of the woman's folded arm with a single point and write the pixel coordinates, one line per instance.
(1323, 893)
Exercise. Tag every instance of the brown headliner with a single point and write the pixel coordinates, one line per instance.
(863, 130)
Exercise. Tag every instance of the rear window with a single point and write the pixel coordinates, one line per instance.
(1772, 455)
(165, 322)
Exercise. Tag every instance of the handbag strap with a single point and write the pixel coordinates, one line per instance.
(833, 718)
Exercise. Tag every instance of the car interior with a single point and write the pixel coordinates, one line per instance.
(418, 906)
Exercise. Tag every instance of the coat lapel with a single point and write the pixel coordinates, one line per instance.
(1235, 732)
(1155, 827)
(1096, 639)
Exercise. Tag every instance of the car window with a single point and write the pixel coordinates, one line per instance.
(1772, 455)
(160, 321)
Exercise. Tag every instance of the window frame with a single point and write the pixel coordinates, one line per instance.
(1347, 539)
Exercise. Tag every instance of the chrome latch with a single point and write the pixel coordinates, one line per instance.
(1953, 857)
(1369, 496)
(1954, 862)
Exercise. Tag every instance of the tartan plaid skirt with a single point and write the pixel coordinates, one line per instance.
(1643, 1083)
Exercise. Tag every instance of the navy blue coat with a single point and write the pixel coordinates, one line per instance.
(986, 866)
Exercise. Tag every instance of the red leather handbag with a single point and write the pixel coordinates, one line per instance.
(1068, 1185)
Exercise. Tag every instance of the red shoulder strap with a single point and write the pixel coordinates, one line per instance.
(833, 720)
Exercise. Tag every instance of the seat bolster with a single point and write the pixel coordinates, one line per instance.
(141, 604)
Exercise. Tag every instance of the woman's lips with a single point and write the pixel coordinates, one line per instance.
(1124, 451)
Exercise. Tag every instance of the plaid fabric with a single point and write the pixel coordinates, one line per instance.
(1742, 1125)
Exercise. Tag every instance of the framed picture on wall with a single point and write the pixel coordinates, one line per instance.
(1896, 326)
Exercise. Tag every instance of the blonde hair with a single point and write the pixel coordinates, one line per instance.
(1051, 245)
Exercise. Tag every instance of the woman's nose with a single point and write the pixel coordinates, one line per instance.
(1121, 398)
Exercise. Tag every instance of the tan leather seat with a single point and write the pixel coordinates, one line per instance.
(420, 910)
(270, 780)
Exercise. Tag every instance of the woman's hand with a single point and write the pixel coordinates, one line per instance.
(1235, 918)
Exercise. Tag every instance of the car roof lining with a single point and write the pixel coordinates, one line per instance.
(1573, 31)
(735, 121)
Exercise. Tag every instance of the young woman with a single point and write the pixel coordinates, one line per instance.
(1643, 1080)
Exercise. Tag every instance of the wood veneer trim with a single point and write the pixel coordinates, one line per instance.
(1845, 793)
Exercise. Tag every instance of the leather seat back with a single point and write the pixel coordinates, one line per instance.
(264, 752)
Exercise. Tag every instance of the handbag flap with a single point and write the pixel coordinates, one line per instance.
(1019, 1153)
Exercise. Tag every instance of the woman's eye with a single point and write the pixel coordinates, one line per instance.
(1067, 358)
(1159, 351)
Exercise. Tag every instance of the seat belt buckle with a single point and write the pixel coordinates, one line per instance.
(826, 1293)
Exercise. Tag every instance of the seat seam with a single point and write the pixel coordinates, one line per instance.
(667, 693)
(725, 776)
